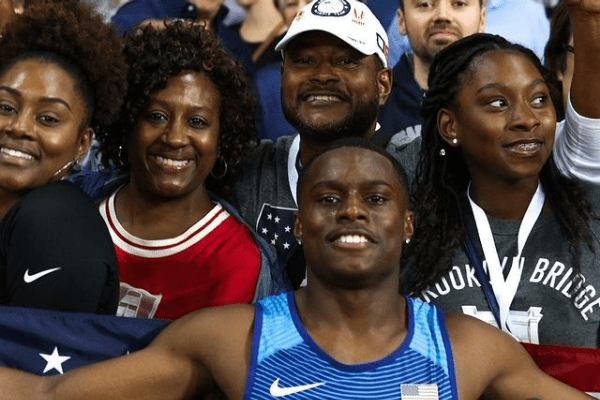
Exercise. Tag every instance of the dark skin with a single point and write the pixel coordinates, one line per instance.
(319, 64)
(507, 94)
(353, 320)
(173, 148)
(505, 126)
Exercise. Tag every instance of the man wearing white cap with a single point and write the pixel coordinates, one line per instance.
(335, 77)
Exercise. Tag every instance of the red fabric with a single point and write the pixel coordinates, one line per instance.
(576, 366)
(222, 268)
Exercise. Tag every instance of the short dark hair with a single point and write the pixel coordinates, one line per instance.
(355, 142)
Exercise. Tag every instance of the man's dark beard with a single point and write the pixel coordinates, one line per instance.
(355, 125)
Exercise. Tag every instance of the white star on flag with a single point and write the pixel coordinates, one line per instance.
(277, 220)
(288, 229)
(54, 361)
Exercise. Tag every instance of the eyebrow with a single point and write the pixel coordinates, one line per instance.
(166, 104)
(45, 99)
(495, 85)
(334, 183)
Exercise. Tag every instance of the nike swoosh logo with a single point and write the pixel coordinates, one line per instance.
(30, 278)
(278, 391)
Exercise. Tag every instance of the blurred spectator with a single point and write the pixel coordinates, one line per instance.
(519, 21)
(559, 58)
(262, 28)
(210, 12)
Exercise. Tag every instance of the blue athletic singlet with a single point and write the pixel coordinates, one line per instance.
(286, 363)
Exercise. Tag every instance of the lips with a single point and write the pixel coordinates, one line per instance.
(13, 154)
(170, 164)
(322, 97)
(351, 239)
(525, 148)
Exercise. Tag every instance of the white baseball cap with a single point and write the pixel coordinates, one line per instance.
(350, 20)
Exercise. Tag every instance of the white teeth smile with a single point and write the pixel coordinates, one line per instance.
(16, 153)
(527, 146)
(322, 98)
(352, 239)
(172, 163)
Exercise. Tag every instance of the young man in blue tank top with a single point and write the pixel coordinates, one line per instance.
(347, 335)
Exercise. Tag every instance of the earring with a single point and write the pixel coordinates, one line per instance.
(121, 156)
(221, 170)
(454, 141)
(407, 240)
(442, 152)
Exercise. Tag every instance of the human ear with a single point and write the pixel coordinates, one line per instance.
(447, 127)
(483, 17)
(297, 226)
(85, 141)
(385, 79)
(401, 21)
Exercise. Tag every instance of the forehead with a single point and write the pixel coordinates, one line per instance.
(502, 67)
(474, 2)
(42, 78)
(190, 87)
(354, 166)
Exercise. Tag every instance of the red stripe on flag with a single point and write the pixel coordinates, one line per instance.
(576, 366)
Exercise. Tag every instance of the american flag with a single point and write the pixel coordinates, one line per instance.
(48, 342)
(411, 391)
(276, 225)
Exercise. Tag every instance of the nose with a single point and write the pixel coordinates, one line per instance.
(20, 125)
(174, 134)
(442, 11)
(353, 208)
(524, 117)
(324, 72)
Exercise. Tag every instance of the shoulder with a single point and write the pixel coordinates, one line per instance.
(493, 351)
(56, 197)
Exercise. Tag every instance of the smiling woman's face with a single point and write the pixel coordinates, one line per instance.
(42, 118)
(505, 120)
(175, 142)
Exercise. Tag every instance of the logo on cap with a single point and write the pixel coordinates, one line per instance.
(331, 8)
(382, 46)
(358, 17)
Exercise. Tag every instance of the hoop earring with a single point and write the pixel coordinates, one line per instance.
(221, 171)
(121, 155)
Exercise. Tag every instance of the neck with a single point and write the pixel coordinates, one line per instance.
(368, 323)
(421, 71)
(308, 147)
(260, 20)
(152, 217)
(515, 197)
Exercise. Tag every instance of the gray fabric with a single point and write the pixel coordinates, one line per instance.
(569, 304)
